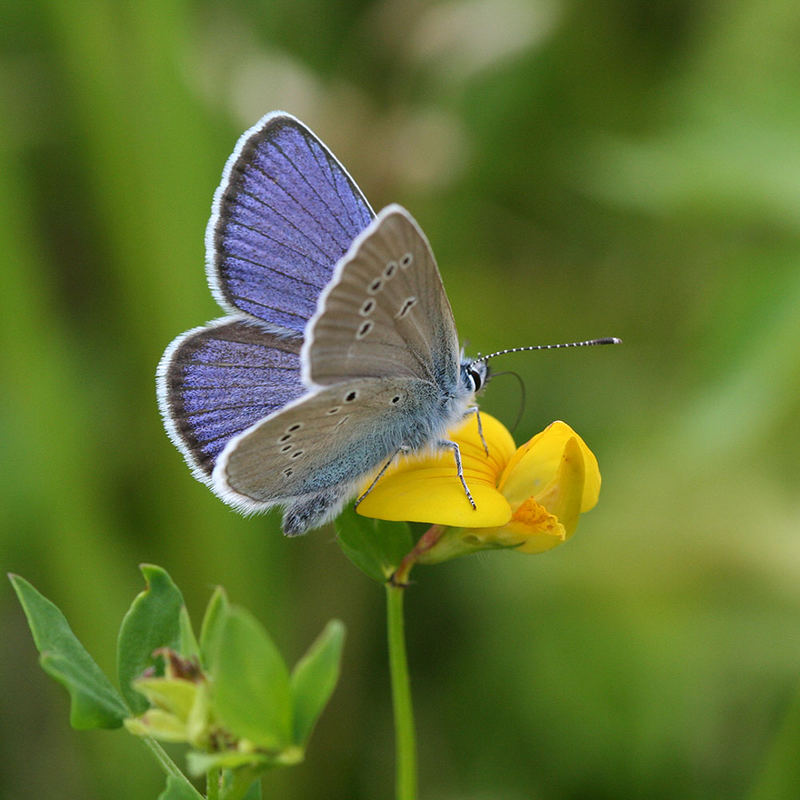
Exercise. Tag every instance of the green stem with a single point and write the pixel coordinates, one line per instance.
(405, 742)
(168, 765)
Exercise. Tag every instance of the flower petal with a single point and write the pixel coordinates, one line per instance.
(563, 496)
(426, 488)
(532, 468)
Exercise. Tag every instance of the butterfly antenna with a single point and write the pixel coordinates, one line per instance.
(587, 343)
(523, 395)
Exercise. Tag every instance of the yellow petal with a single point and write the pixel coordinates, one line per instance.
(532, 468)
(426, 488)
(563, 496)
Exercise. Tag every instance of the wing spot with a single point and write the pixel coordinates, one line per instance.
(334, 410)
(350, 396)
(367, 308)
(296, 454)
(391, 268)
(286, 448)
(396, 399)
(295, 427)
(288, 472)
(375, 286)
(406, 260)
(408, 304)
(285, 437)
(365, 328)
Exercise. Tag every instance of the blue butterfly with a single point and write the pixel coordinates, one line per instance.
(338, 350)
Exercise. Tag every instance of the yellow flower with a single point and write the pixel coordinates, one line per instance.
(528, 498)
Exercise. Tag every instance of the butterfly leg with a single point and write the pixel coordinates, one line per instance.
(401, 449)
(459, 469)
(477, 412)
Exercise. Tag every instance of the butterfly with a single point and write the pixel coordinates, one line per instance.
(338, 350)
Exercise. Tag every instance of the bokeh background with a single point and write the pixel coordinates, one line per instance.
(606, 167)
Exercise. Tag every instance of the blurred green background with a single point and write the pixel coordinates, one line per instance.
(617, 167)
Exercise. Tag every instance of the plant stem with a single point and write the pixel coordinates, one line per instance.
(424, 543)
(168, 765)
(405, 742)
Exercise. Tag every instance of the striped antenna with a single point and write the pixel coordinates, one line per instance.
(587, 343)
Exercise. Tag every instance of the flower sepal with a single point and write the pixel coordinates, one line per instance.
(455, 542)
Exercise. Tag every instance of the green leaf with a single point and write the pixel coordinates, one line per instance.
(189, 647)
(374, 546)
(252, 697)
(151, 622)
(216, 612)
(178, 790)
(314, 679)
(95, 701)
(254, 792)
(234, 780)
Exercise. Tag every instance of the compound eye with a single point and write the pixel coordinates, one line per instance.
(476, 379)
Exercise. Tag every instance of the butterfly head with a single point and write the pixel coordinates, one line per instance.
(474, 374)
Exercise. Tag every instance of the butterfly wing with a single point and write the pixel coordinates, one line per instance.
(285, 212)
(385, 312)
(217, 381)
(326, 441)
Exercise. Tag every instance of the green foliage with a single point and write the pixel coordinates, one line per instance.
(374, 546)
(152, 622)
(314, 679)
(188, 646)
(251, 682)
(177, 790)
(245, 713)
(216, 613)
(95, 702)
